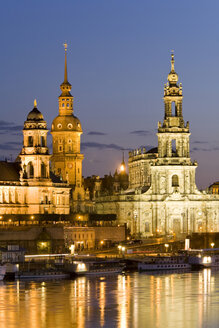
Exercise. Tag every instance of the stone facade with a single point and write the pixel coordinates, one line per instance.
(162, 197)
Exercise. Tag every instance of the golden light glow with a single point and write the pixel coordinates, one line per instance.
(212, 245)
(102, 242)
(122, 168)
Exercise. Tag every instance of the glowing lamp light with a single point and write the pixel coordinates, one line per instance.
(122, 168)
(119, 247)
(206, 260)
(32, 217)
(166, 246)
(81, 267)
(212, 245)
(102, 242)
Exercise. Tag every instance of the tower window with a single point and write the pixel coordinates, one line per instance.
(63, 105)
(174, 153)
(30, 141)
(67, 105)
(43, 141)
(175, 181)
(173, 108)
(60, 148)
(30, 170)
(43, 170)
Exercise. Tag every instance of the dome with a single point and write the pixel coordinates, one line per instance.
(35, 115)
(66, 123)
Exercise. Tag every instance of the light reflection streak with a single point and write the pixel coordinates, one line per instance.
(102, 302)
(122, 297)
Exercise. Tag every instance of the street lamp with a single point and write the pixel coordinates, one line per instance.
(166, 246)
(212, 245)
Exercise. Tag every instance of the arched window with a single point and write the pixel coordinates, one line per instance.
(173, 108)
(43, 141)
(30, 170)
(43, 170)
(175, 181)
(30, 141)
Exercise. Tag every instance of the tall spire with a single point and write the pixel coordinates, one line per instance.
(172, 61)
(173, 76)
(65, 74)
(65, 86)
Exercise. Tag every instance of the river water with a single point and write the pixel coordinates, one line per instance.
(179, 300)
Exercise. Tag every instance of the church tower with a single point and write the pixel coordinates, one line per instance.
(35, 153)
(173, 170)
(66, 133)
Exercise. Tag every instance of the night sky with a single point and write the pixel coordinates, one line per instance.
(118, 61)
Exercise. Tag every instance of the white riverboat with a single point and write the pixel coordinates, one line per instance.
(156, 263)
(2, 271)
(207, 258)
(97, 267)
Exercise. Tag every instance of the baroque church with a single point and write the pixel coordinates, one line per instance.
(162, 197)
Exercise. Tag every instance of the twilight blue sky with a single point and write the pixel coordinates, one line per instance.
(118, 62)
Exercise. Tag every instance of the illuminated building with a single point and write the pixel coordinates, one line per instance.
(162, 197)
(27, 186)
(66, 133)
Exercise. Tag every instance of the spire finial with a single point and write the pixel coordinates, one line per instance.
(172, 61)
(35, 103)
(65, 74)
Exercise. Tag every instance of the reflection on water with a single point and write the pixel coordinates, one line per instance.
(135, 300)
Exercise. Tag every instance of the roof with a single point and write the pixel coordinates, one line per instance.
(9, 171)
(66, 123)
(35, 115)
(152, 150)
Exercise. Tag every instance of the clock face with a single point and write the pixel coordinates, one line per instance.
(70, 165)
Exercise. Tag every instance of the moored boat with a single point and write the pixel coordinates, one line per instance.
(205, 258)
(41, 275)
(97, 267)
(157, 263)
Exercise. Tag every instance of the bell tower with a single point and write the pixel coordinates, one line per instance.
(173, 134)
(173, 170)
(35, 153)
(66, 134)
